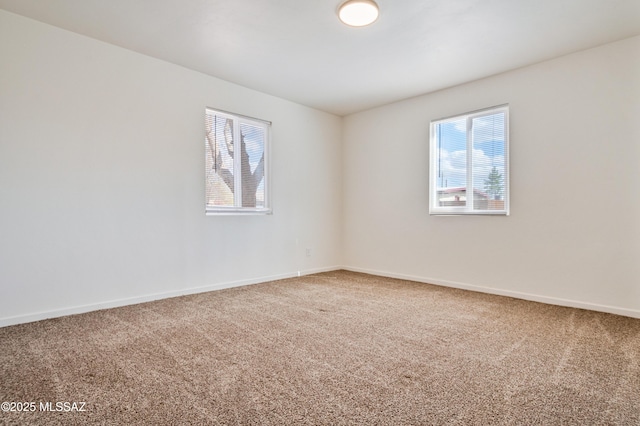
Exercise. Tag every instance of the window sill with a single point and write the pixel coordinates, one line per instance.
(472, 213)
(236, 212)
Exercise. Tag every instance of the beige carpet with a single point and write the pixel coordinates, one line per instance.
(333, 348)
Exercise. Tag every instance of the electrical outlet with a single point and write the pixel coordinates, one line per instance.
(308, 252)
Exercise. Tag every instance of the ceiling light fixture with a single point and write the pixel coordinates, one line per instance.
(358, 13)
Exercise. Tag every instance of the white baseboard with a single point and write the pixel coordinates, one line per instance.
(37, 316)
(515, 294)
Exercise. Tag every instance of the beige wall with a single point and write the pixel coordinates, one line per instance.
(573, 233)
(102, 179)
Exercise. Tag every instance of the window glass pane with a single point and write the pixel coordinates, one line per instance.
(488, 142)
(252, 147)
(451, 163)
(468, 162)
(236, 149)
(219, 161)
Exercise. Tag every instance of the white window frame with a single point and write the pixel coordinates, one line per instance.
(237, 209)
(467, 209)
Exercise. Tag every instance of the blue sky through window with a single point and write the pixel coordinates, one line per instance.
(488, 144)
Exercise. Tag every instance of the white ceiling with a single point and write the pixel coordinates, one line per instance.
(298, 50)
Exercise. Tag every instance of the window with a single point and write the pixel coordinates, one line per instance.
(469, 167)
(237, 160)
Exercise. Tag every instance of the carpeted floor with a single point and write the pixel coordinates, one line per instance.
(333, 348)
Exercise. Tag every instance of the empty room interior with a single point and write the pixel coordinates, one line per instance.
(257, 212)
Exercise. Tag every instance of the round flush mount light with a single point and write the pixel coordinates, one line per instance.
(358, 13)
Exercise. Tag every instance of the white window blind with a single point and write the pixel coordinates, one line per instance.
(469, 168)
(237, 160)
